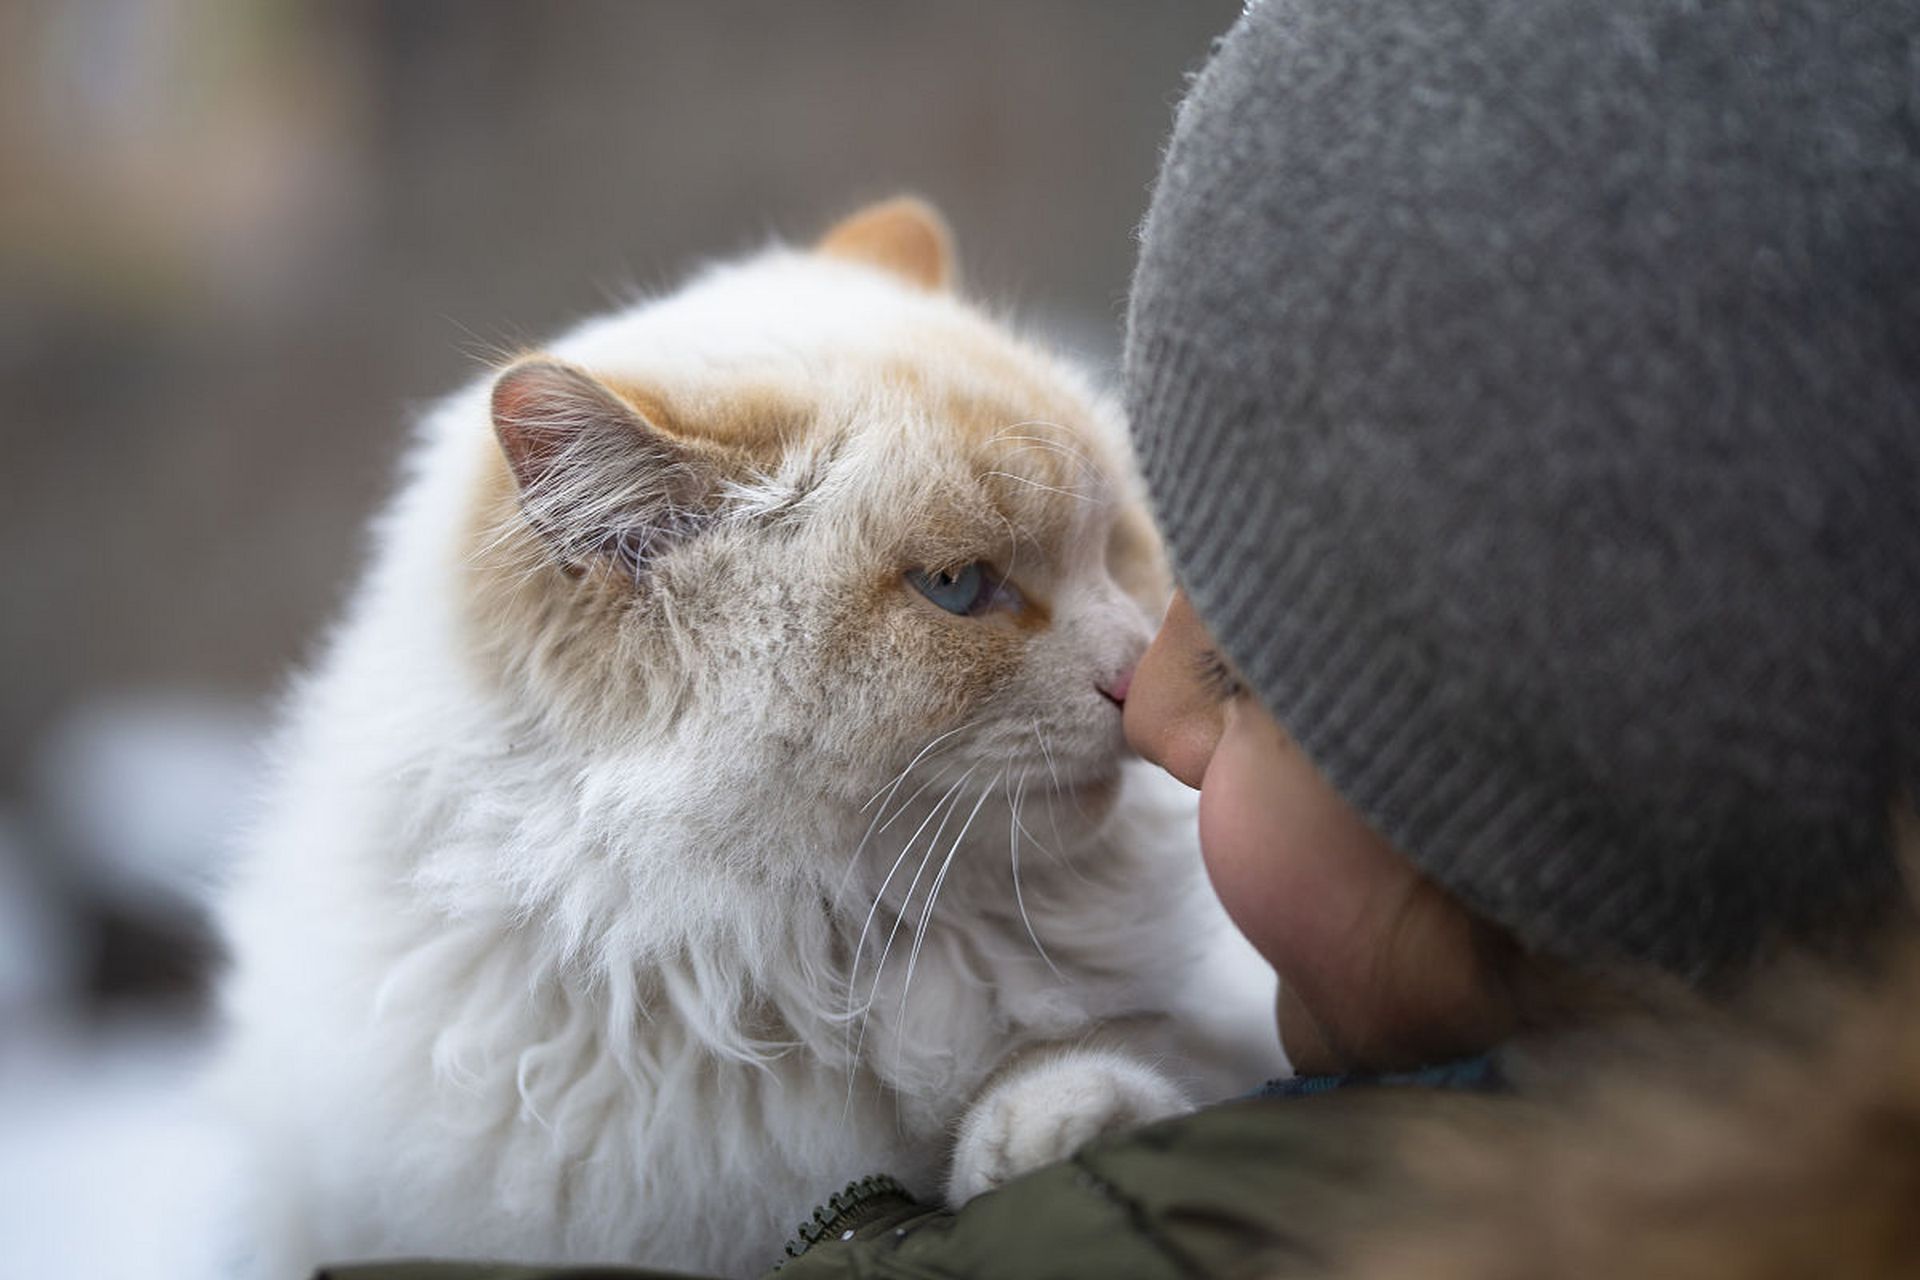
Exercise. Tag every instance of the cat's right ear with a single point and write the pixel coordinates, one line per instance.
(595, 477)
(904, 236)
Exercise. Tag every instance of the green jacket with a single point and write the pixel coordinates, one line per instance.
(1786, 1149)
(1266, 1186)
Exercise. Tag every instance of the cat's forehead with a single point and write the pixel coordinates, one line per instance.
(792, 354)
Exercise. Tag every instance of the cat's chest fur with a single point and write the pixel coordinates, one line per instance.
(670, 1070)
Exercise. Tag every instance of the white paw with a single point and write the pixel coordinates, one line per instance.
(1048, 1109)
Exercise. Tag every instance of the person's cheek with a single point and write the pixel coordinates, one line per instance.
(1277, 846)
(1242, 856)
(1377, 966)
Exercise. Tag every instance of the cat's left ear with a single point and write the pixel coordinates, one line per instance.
(904, 235)
(596, 477)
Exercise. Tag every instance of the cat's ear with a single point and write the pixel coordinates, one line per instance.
(596, 478)
(904, 235)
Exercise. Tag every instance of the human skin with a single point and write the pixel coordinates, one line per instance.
(1379, 968)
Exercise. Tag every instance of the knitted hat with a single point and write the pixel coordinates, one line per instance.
(1529, 391)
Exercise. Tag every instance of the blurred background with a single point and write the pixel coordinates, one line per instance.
(242, 243)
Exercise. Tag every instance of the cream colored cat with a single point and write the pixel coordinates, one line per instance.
(714, 794)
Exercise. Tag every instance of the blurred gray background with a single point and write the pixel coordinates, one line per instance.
(242, 242)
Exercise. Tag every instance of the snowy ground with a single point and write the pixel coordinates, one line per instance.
(110, 1166)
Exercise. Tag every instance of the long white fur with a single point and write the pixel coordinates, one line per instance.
(506, 989)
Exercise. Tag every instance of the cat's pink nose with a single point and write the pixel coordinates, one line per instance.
(1116, 688)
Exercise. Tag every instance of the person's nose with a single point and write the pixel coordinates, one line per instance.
(1170, 717)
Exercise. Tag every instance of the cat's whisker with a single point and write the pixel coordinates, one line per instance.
(1013, 541)
(950, 803)
(1048, 488)
(933, 898)
(853, 975)
(1081, 461)
(900, 810)
(881, 821)
(1013, 855)
(1066, 460)
(1054, 793)
(1027, 833)
(1060, 447)
(902, 775)
(859, 948)
(1053, 770)
(1028, 422)
(1058, 443)
(1053, 853)
(879, 824)
(1046, 752)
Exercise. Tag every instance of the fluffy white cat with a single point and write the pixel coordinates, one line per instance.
(714, 794)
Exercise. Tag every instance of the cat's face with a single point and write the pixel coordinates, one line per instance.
(813, 515)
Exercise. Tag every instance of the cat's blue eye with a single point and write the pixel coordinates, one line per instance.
(966, 591)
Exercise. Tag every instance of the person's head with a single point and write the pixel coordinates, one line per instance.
(1530, 398)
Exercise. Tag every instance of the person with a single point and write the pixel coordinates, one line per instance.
(1529, 395)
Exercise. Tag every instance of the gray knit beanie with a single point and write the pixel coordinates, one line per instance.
(1529, 391)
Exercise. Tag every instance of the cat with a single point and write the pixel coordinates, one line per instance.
(714, 793)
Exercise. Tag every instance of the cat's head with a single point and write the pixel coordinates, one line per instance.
(813, 514)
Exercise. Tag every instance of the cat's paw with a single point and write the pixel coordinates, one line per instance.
(1046, 1110)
